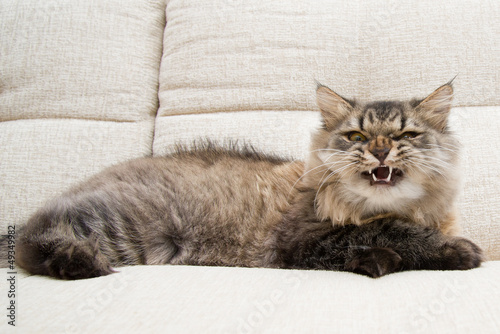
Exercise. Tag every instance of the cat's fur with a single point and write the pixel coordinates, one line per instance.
(237, 207)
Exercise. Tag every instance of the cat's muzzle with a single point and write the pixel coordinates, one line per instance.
(383, 175)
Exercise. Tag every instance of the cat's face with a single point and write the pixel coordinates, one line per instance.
(384, 154)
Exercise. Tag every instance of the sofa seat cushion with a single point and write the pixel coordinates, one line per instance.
(188, 299)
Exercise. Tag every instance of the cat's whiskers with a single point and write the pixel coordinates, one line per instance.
(303, 175)
(350, 171)
(337, 171)
(328, 150)
(325, 164)
(445, 147)
(333, 172)
(347, 155)
(412, 168)
(442, 162)
(334, 163)
(433, 161)
(422, 168)
(420, 162)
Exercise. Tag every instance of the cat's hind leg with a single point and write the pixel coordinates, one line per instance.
(64, 259)
(49, 247)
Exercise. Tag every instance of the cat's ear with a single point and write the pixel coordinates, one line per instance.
(334, 108)
(436, 107)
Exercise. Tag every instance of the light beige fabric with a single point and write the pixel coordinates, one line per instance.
(41, 158)
(479, 202)
(90, 70)
(224, 56)
(284, 133)
(80, 59)
(78, 92)
(184, 299)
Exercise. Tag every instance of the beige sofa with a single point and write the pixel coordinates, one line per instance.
(87, 84)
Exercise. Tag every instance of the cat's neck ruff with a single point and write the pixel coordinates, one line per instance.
(344, 204)
(354, 204)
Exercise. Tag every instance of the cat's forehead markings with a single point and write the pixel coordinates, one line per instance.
(389, 112)
(384, 110)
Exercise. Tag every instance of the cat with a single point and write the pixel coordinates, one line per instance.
(375, 196)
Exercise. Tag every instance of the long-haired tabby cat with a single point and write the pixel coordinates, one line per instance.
(375, 196)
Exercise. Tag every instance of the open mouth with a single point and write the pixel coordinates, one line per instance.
(383, 175)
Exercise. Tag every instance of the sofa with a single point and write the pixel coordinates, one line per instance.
(88, 84)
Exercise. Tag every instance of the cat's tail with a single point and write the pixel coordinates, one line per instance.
(48, 245)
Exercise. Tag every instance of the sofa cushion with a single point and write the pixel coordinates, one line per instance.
(479, 202)
(225, 56)
(78, 92)
(84, 60)
(286, 133)
(194, 299)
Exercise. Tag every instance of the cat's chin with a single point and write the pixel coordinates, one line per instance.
(392, 195)
(383, 176)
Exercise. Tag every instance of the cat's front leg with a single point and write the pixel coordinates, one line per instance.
(454, 254)
(341, 248)
(419, 248)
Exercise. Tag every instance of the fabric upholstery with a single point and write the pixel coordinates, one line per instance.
(80, 87)
(78, 92)
(189, 299)
(224, 56)
(479, 201)
(275, 132)
(42, 157)
(86, 59)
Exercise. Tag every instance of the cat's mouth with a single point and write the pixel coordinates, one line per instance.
(383, 175)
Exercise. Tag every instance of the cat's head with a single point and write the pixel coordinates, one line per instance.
(385, 156)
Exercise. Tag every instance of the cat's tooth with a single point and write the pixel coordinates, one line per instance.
(374, 177)
(390, 173)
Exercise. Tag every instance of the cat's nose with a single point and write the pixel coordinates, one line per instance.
(380, 148)
(380, 153)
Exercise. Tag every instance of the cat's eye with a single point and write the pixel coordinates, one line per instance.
(356, 136)
(408, 135)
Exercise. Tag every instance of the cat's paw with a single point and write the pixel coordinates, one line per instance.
(76, 262)
(461, 254)
(374, 262)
